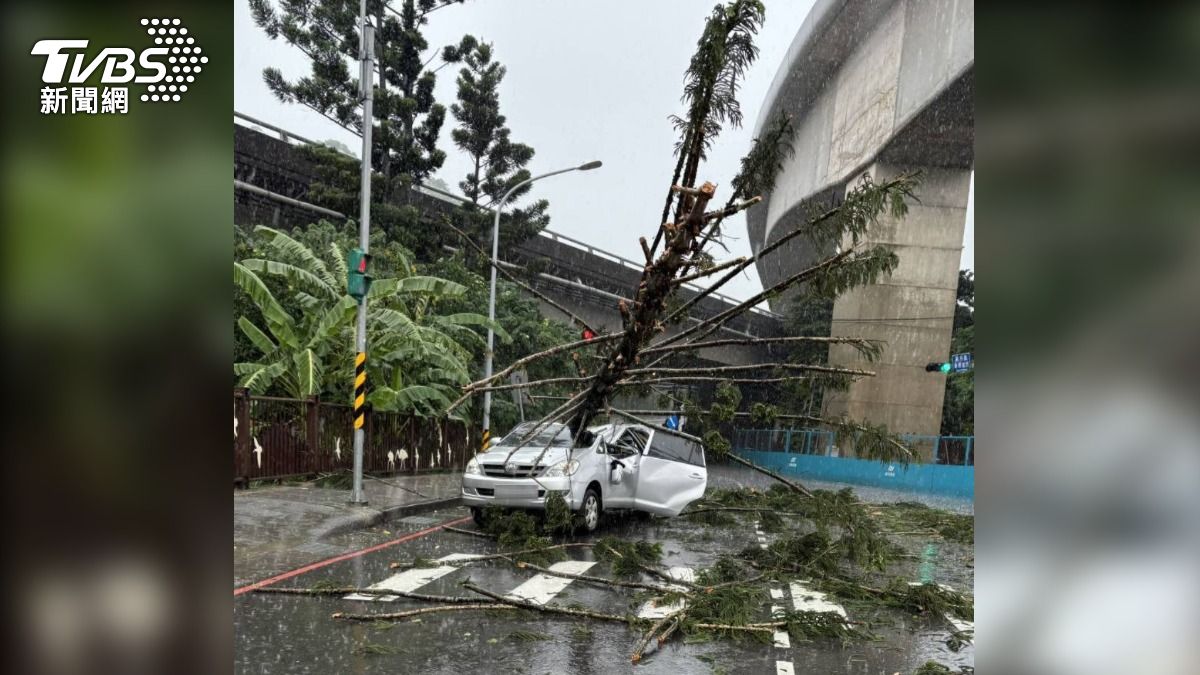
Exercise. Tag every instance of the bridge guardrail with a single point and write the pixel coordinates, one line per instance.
(288, 137)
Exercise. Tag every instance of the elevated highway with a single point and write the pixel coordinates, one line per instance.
(879, 87)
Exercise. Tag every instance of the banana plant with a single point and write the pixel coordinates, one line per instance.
(418, 358)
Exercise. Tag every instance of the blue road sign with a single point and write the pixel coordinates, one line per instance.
(673, 422)
(961, 363)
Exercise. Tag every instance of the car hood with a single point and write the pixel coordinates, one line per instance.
(524, 456)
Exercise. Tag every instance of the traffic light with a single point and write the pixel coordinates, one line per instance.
(938, 367)
(358, 282)
(588, 334)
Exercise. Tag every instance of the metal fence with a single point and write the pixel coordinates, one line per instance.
(284, 437)
(950, 450)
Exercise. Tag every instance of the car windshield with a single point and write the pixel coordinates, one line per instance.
(554, 435)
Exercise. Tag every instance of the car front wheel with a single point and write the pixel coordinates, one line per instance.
(589, 512)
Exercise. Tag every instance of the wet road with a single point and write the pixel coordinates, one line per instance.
(295, 634)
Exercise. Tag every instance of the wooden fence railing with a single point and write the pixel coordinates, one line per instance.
(285, 437)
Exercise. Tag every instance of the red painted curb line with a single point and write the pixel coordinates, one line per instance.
(345, 556)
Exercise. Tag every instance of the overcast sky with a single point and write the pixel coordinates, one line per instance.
(586, 80)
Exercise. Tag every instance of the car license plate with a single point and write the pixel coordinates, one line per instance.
(516, 491)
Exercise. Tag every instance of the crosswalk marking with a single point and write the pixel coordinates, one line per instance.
(652, 610)
(804, 599)
(784, 668)
(782, 640)
(412, 579)
(540, 589)
(776, 593)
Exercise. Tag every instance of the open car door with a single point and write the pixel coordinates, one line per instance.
(622, 466)
(671, 476)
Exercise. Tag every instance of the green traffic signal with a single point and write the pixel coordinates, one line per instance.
(945, 367)
(938, 367)
(358, 282)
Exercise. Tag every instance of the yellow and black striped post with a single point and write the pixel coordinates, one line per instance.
(487, 440)
(360, 388)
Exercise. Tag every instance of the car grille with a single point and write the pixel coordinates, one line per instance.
(523, 471)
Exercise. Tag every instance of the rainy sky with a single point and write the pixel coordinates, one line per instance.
(586, 80)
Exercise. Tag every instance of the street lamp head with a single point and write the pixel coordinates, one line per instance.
(595, 164)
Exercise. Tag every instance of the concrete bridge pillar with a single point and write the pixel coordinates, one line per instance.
(912, 310)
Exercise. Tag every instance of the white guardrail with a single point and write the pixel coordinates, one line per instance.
(457, 200)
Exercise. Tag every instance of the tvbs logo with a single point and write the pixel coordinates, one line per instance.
(166, 69)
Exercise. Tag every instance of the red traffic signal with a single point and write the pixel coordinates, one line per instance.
(588, 334)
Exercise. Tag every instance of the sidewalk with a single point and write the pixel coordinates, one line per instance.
(283, 527)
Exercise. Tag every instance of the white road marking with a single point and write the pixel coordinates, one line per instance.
(804, 599)
(763, 546)
(784, 668)
(776, 593)
(542, 588)
(412, 579)
(652, 610)
(455, 557)
(782, 640)
(776, 611)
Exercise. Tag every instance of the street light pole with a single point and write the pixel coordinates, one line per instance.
(366, 57)
(487, 359)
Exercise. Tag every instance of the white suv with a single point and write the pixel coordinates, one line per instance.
(617, 466)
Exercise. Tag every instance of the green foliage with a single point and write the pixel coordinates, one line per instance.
(803, 625)
(918, 599)
(763, 413)
(864, 204)
(558, 516)
(723, 53)
(902, 516)
(727, 569)
(925, 598)
(735, 605)
(517, 530)
(628, 557)
(418, 358)
(408, 119)
(765, 160)
(871, 441)
(497, 163)
(932, 668)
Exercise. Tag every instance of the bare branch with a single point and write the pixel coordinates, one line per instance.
(751, 367)
(714, 378)
(397, 616)
(712, 270)
(549, 609)
(690, 346)
(731, 209)
(513, 278)
(792, 484)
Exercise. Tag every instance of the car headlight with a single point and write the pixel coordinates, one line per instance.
(562, 470)
(473, 467)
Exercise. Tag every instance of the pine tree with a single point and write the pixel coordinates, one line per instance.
(408, 120)
(638, 353)
(498, 163)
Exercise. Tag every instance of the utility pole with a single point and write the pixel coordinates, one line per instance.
(366, 50)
